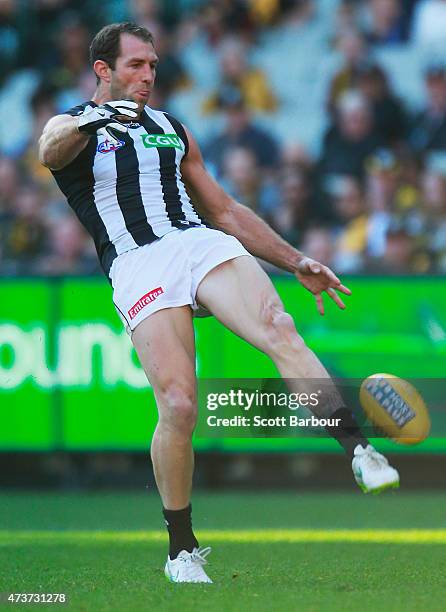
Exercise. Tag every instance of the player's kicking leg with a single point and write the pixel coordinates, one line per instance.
(165, 345)
(240, 294)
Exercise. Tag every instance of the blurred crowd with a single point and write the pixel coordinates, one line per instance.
(326, 117)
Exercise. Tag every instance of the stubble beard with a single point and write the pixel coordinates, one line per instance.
(117, 92)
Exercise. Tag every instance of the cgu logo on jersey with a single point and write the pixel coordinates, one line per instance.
(161, 140)
(107, 146)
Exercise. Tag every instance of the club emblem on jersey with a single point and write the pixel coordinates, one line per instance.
(161, 140)
(108, 147)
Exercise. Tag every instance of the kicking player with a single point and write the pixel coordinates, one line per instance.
(135, 178)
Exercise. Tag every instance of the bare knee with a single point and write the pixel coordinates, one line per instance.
(280, 335)
(177, 406)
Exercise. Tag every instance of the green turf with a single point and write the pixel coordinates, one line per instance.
(391, 510)
(126, 574)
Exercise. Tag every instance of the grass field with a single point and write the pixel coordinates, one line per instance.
(270, 551)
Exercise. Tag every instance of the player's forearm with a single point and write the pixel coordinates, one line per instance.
(258, 237)
(61, 142)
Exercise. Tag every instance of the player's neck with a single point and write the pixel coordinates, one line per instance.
(101, 95)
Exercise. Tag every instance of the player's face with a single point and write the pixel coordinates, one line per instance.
(134, 74)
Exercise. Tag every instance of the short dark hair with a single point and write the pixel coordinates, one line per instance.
(106, 46)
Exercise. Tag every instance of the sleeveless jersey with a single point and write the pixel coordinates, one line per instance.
(130, 194)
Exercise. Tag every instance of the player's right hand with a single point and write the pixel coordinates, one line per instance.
(102, 120)
(318, 278)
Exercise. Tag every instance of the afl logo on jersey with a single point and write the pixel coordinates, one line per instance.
(108, 147)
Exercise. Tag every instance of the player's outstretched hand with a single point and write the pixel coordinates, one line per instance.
(103, 119)
(318, 278)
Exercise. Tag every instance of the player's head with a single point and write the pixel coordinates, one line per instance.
(124, 60)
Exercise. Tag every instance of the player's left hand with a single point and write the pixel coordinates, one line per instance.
(108, 119)
(318, 278)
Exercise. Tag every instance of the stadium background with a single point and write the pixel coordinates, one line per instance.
(328, 118)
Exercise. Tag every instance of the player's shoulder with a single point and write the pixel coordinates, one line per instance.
(74, 111)
(56, 120)
(78, 109)
(162, 115)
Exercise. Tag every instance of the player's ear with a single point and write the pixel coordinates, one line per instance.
(102, 70)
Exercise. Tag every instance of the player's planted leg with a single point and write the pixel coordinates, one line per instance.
(166, 348)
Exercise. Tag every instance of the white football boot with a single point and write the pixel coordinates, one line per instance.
(188, 566)
(372, 471)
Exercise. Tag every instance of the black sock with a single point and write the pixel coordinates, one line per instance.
(179, 526)
(347, 433)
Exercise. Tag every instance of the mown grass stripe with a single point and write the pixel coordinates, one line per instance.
(380, 536)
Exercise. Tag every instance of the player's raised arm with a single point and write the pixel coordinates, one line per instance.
(255, 235)
(65, 136)
(61, 142)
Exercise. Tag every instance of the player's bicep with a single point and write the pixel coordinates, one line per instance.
(53, 124)
(211, 200)
(56, 122)
(61, 142)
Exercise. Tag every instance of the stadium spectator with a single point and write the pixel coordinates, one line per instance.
(429, 127)
(394, 179)
(28, 234)
(243, 180)
(385, 24)
(434, 215)
(318, 242)
(294, 212)
(381, 186)
(346, 16)
(170, 74)
(354, 52)
(240, 131)
(237, 75)
(69, 251)
(71, 56)
(42, 107)
(200, 39)
(389, 115)
(350, 230)
(401, 254)
(294, 156)
(408, 165)
(9, 181)
(48, 18)
(146, 13)
(351, 139)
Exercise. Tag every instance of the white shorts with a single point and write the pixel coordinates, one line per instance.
(166, 273)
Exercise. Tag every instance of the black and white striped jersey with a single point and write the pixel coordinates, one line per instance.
(130, 194)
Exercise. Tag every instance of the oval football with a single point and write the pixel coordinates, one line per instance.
(395, 406)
